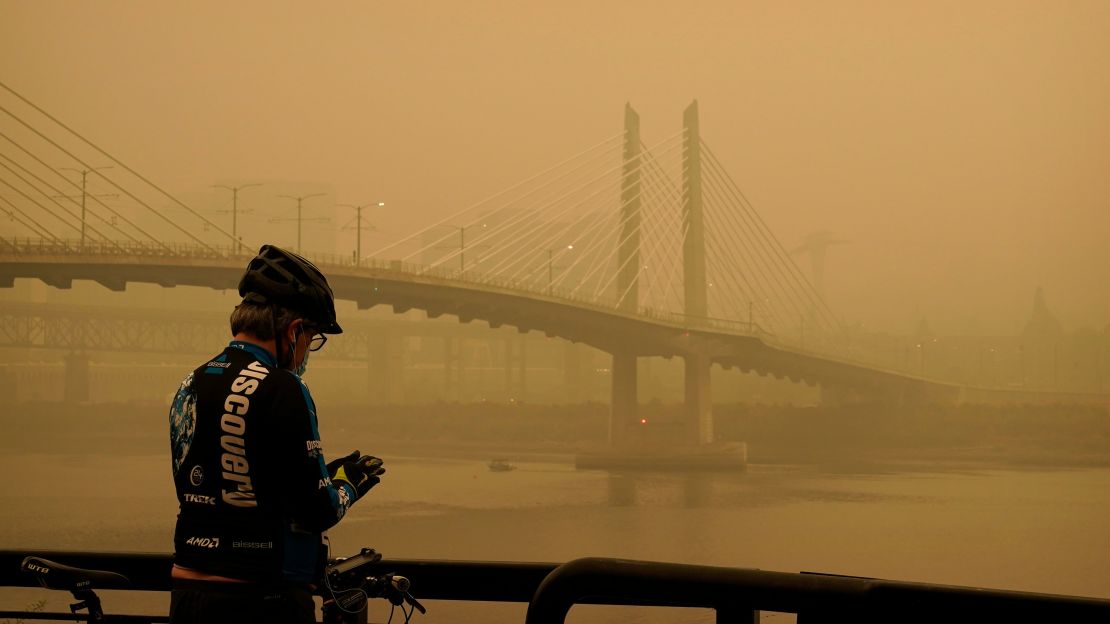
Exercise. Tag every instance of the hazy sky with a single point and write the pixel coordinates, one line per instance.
(962, 147)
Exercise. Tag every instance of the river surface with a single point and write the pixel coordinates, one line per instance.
(1036, 529)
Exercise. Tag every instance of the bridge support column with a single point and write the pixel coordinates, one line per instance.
(452, 368)
(622, 413)
(76, 388)
(572, 372)
(385, 367)
(516, 368)
(695, 290)
(699, 397)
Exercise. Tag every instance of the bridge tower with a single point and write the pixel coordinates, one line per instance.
(698, 395)
(624, 387)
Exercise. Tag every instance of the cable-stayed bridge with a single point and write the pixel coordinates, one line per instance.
(636, 249)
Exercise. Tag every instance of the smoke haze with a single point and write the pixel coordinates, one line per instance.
(961, 149)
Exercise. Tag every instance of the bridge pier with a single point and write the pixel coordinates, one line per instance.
(516, 367)
(76, 387)
(573, 377)
(385, 368)
(452, 368)
(699, 396)
(622, 411)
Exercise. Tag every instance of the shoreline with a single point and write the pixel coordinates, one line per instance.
(870, 437)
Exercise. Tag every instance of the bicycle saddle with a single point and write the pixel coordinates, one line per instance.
(53, 575)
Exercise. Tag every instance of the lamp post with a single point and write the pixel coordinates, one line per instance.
(358, 226)
(235, 211)
(84, 178)
(550, 273)
(300, 199)
(462, 241)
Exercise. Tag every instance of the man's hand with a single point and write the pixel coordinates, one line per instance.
(363, 473)
(334, 464)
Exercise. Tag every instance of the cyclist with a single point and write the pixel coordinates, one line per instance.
(254, 492)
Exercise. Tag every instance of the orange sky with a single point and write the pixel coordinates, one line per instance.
(962, 147)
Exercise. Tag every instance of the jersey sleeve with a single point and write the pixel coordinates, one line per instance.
(313, 501)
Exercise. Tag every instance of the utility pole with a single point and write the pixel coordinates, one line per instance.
(358, 226)
(235, 245)
(300, 199)
(84, 193)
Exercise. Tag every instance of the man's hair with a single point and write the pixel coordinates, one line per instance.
(260, 320)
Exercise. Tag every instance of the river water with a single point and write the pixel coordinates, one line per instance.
(1032, 529)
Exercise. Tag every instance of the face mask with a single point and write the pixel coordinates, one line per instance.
(300, 369)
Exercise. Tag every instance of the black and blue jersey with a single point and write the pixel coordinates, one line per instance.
(254, 493)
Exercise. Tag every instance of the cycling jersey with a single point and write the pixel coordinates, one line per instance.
(254, 493)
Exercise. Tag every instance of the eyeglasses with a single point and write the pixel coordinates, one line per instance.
(317, 342)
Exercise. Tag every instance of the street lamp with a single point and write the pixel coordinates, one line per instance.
(300, 199)
(549, 267)
(358, 227)
(236, 245)
(84, 176)
(462, 242)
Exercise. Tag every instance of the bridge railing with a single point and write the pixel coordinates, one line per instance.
(831, 350)
(144, 249)
(41, 246)
(550, 590)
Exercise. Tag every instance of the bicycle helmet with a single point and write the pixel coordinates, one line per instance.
(282, 277)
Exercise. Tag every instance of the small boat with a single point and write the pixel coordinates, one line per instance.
(500, 465)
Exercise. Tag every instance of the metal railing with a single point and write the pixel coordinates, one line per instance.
(737, 595)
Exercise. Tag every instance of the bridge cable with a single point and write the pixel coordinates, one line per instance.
(537, 251)
(546, 233)
(500, 193)
(767, 255)
(747, 254)
(60, 193)
(613, 249)
(47, 210)
(655, 235)
(77, 186)
(122, 166)
(671, 189)
(673, 236)
(38, 226)
(524, 239)
(533, 213)
(644, 221)
(760, 258)
(808, 289)
(513, 220)
(48, 197)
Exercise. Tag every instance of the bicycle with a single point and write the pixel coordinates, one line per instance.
(349, 589)
(346, 589)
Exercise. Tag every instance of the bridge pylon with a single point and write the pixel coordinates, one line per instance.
(623, 406)
(698, 391)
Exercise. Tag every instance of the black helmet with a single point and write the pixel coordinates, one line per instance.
(283, 277)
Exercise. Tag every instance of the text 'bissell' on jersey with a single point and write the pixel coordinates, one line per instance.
(239, 491)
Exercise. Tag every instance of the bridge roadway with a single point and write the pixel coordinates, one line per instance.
(470, 297)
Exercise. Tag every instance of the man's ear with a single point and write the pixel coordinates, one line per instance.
(292, 329)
